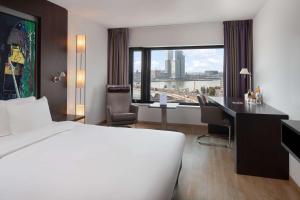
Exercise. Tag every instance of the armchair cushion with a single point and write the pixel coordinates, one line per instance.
(123, 117)
(134, 109)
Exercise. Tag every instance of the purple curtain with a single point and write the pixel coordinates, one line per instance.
(238, 54)
(118, 55)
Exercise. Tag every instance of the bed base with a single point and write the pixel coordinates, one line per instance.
(177, 181)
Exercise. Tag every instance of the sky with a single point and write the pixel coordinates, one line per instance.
(196, 60)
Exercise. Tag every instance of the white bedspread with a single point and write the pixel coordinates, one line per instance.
(72, 161)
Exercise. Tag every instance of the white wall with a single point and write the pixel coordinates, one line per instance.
(210, 33)
(181, 115)
(96, 66)
(277, 59)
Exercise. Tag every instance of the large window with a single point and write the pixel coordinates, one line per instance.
(137, 75)
(181, 73)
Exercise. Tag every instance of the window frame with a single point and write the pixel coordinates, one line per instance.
(146, 68)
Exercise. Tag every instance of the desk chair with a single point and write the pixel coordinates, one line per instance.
(211, 114)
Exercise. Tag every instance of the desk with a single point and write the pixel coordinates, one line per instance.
(164, 112)
(257, 138)
(290, 137)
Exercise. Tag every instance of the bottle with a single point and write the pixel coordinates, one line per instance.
(258, 95)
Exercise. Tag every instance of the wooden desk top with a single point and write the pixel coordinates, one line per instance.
(235, 106)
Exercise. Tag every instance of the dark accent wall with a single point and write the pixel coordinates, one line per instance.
(52, 47)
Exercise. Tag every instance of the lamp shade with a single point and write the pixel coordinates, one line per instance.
(80, 109)
(80, 78)
(244, 71)
(80, 43)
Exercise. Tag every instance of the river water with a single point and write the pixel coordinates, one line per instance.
(181, 85)
(191, 85)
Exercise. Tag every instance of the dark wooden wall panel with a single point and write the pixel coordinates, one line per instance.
(52, 42)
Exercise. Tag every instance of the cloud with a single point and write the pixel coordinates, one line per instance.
(156, 65)
(137, 62)
(204, 59)
(137, 65)
(199, 63)
(213, 60)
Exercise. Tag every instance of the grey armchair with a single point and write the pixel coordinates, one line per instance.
(119, 109)
(211, 114)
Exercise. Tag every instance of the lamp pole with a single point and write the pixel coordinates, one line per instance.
(250, 77)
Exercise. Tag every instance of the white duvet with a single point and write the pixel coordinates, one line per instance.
(72, 161)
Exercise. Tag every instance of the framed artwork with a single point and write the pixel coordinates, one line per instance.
(18, 62)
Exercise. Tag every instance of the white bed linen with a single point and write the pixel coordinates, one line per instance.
(16, 142)
(91, 163)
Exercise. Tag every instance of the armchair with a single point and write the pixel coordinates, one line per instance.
(119, 109)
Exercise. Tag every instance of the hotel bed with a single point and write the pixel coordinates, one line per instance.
(74, 161)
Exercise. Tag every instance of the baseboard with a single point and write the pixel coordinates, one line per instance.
(174, 124)
(203, 126)
(293, 182)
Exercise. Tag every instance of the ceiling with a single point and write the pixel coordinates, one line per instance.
(132, 13)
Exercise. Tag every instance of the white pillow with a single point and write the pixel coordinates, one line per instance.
(4, 125)
(21, 100)
(29, 116)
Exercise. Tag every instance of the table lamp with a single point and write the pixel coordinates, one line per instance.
(245, 72)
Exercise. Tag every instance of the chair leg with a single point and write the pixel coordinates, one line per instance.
(229, 137)
(210, 144)
(215, 144)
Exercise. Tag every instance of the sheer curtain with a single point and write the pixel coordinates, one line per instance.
(238, 54)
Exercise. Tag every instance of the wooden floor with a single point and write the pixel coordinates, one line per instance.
(208, 174)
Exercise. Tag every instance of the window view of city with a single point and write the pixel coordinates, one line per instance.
(182, 74)
(137, 77)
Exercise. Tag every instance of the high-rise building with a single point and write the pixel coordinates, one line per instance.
(170, 54)
(170, 65)
(179, 65)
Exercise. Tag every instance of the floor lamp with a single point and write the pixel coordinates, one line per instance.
(80, 75)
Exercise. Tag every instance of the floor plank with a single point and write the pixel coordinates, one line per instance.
(208, 174)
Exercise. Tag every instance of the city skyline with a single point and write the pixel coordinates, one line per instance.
(196, 60)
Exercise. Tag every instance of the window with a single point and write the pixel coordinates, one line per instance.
(181, 72)
(137, 75)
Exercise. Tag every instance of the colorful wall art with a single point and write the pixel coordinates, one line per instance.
(17, 57)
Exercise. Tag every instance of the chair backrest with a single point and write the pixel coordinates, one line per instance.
(202, 100)
(118, 98)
